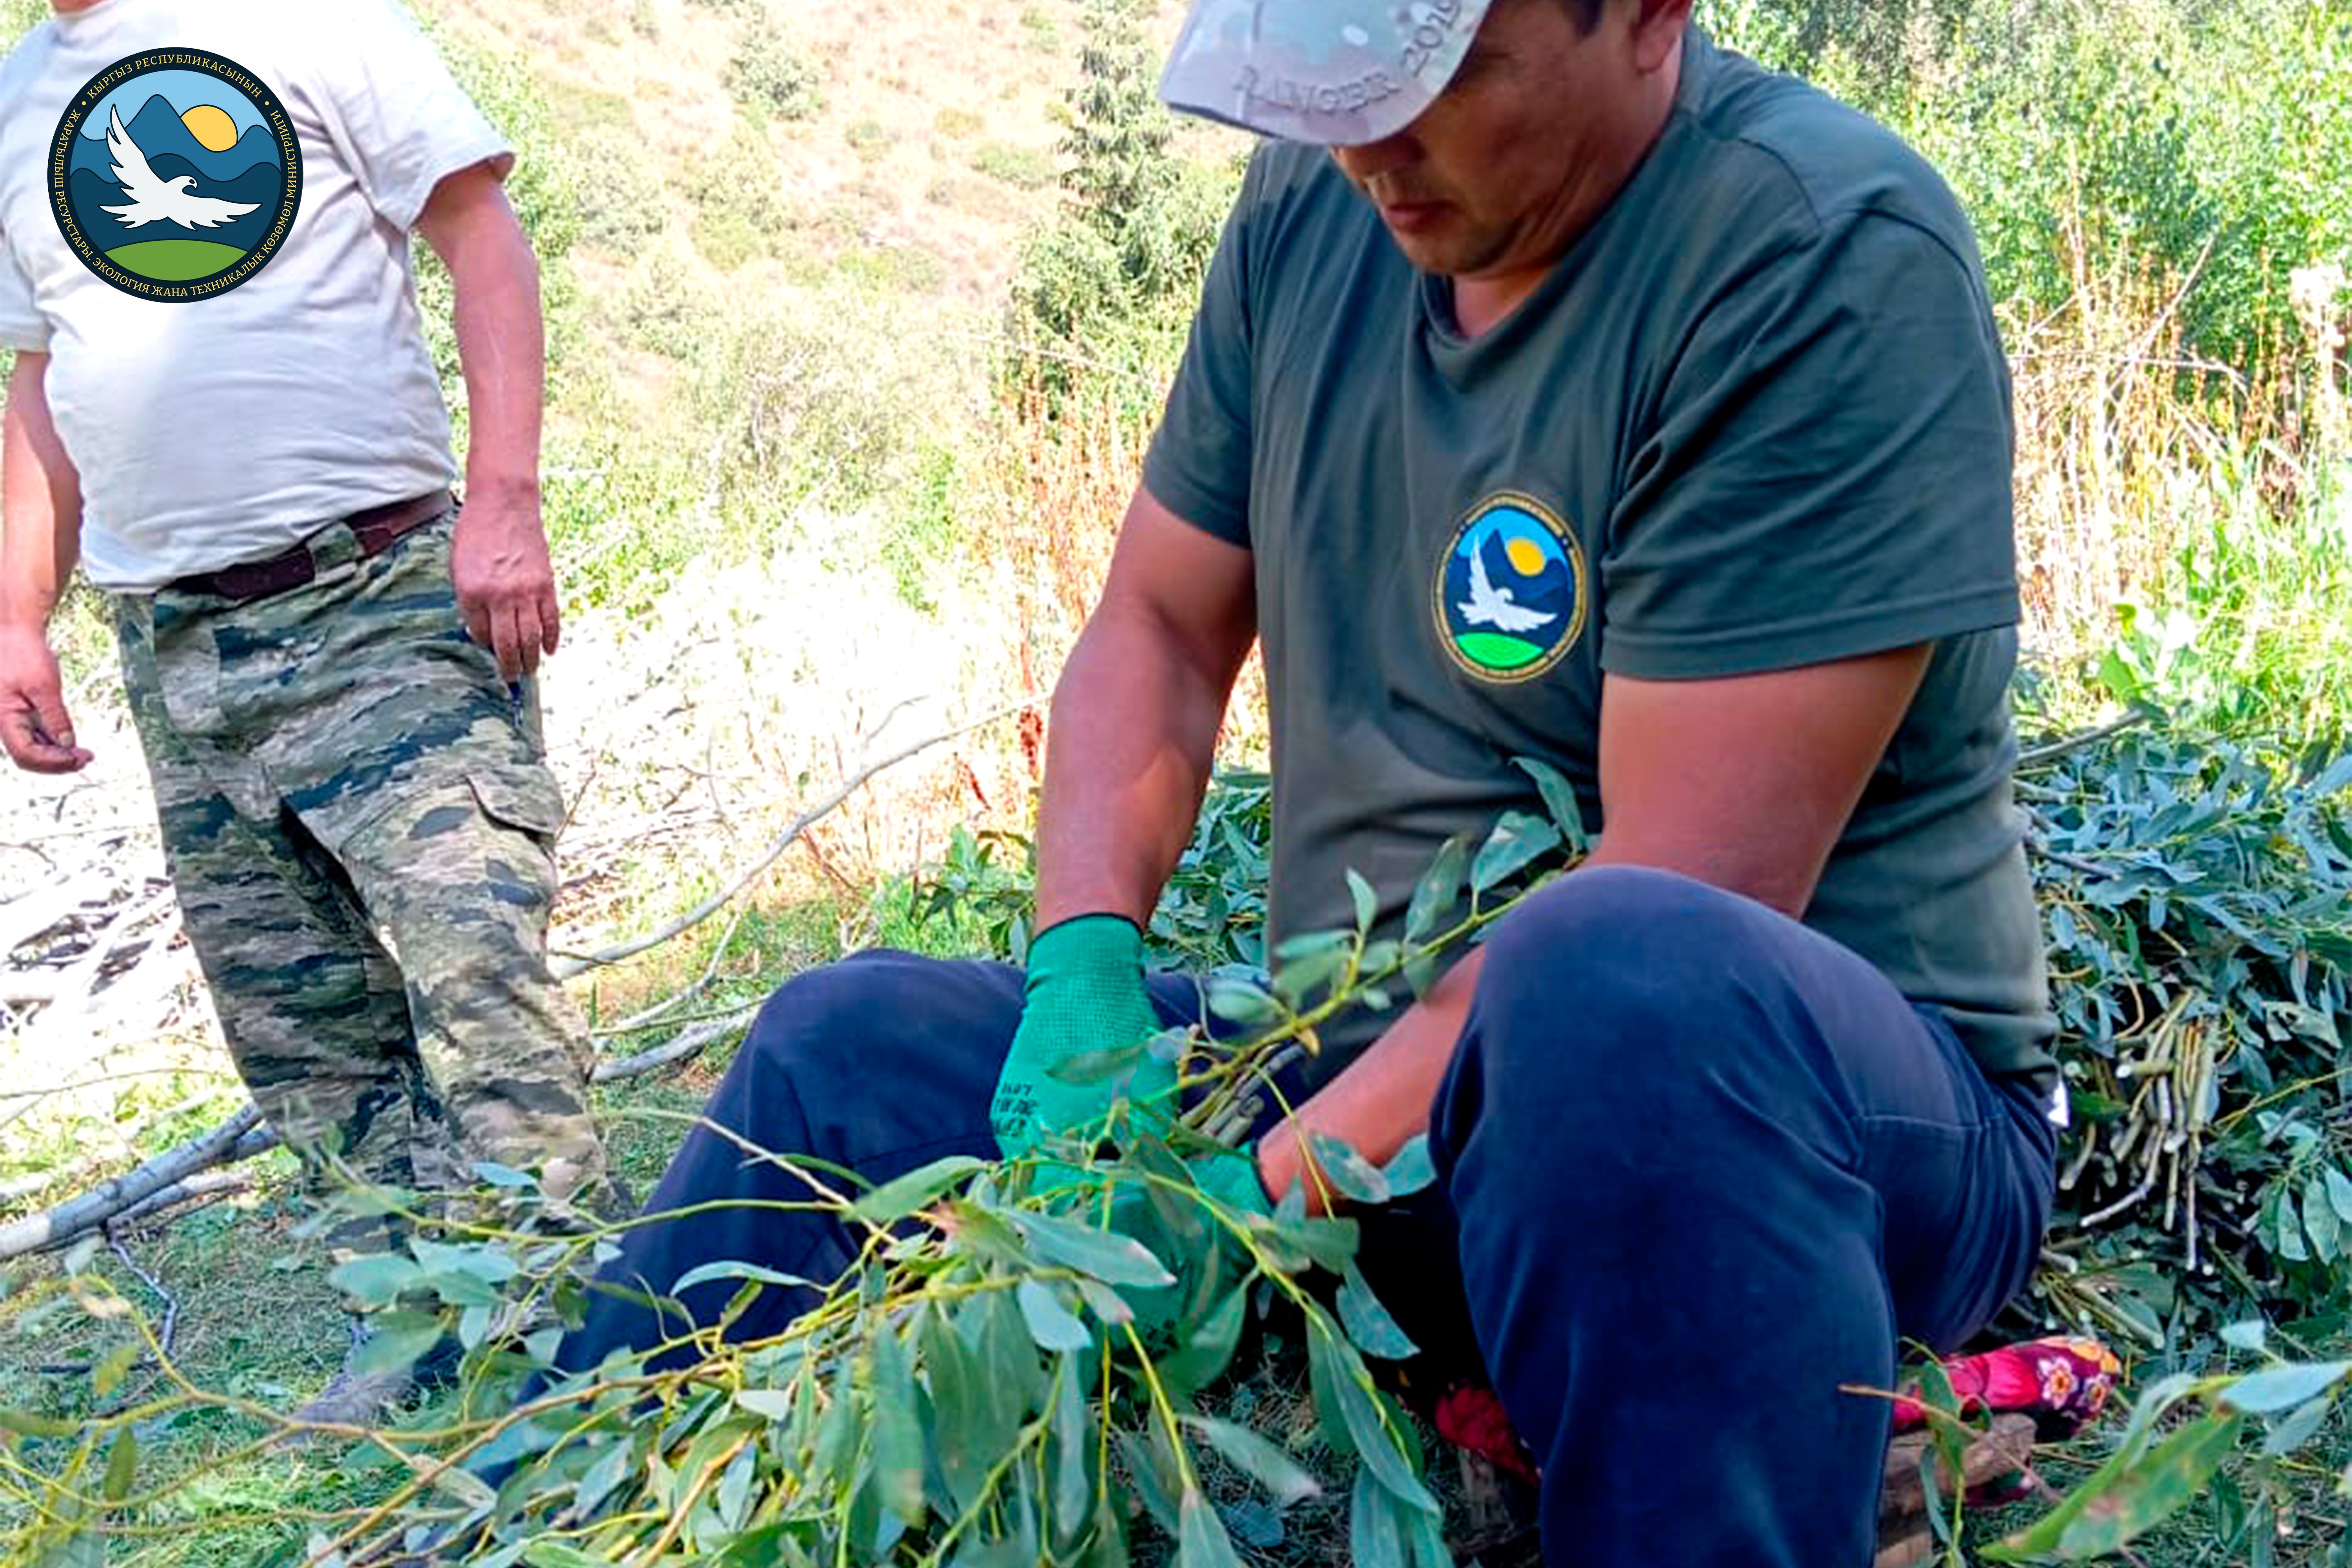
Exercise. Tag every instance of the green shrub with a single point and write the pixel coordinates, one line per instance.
(737, 190)
(769, 74)
(1024, 168)
(622, 200)
(1114, 283)
(2209, 140)
(870, 139)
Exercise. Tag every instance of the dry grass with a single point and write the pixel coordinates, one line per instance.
(2125, 439)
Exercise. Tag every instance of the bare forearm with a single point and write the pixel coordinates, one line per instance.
(40, 502)
(503, 350)
(502, 345)
(1134, 733)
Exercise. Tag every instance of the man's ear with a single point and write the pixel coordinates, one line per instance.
(1658, 29)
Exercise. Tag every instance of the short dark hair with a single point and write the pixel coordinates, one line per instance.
(1587, 12)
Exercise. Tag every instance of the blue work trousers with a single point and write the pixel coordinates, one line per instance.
(1701, 1170)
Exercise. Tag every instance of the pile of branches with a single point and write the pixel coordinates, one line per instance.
(2197, 901)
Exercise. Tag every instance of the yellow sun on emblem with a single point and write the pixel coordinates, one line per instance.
(211, 126)
(1527, 556)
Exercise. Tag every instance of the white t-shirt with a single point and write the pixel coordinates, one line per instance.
(220, 429)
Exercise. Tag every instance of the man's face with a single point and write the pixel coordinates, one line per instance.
(1497, 174)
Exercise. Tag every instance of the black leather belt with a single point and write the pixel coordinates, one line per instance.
(375, 527)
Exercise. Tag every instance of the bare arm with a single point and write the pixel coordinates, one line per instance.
(40, 539)
(505, 583)
(1136, 714)
(1755, 809)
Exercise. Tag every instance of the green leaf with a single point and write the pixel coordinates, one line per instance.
(454, 1289)
(500, 1175)
(1367, 902)
(1516, 842)
(611, 1468)
(1355, 1176)
(735, 1489)
(1210, 1349)
(1374, 1332)
(726, 1268)
(2126, 1498)
(1255, 1457)
(1200, 1539)
(544, 1553)
(969, 1434)
(107, 1375)
(918, 1189)
(768, 1404)
(1152, 1472)
(2279, 1387)
(489, 1264)
(1051, 1324)
(2289, 1231)
(2250, 1335)
(1239, 1001)
(122, 1465)
(2339, 1194)
(396, 1341)
(1560, 800)
(1359, 1413)
(1071, 1448)
(1375, 1527)
(2319, 1221)
(1101, 1255)
(897, 1440)
(1411, 1171)
(377, 1279)
(2300, 1427)
(1439, 889)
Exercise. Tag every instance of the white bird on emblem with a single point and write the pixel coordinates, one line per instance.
(1488, 606)
(155, 200)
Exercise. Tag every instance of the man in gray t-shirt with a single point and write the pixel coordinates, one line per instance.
(224, 410)
(1602, 402)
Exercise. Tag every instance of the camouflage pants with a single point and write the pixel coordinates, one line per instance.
(360, 825)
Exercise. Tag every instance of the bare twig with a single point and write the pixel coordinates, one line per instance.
(2040, 755)
(569, 964)
(171, 1325)
(690, 1043)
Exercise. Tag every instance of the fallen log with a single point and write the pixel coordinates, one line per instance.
(71, 1219)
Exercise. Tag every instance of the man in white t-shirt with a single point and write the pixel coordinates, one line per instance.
(224, 408)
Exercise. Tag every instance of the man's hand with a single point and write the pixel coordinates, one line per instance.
(34, 724)
(1085, 993)
(505, 584)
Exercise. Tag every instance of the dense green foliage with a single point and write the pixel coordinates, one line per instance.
(2206, 141)
(1111, 286)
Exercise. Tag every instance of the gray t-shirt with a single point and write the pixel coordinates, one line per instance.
(221, 429)
(1758, 417)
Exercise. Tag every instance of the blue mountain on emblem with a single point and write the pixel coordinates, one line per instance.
(160, 132)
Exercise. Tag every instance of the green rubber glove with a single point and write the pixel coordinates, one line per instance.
(1085, 993)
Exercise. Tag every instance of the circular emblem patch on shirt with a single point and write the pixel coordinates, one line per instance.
(1509, 596)
(176, 174)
